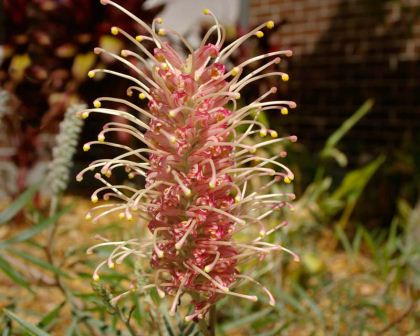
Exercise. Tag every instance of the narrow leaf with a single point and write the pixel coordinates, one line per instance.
(348, 124)
(49, 319)
(10, 271)
(38, 262)
(33, 330)
(35, 229)
(18, 204)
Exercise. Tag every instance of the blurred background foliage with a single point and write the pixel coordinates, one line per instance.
(355, 223)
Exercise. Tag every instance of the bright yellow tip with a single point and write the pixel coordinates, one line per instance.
(162, 32)
(274, 134)
(238, 95)
(262, 233)
(284, 111)
(121, 215)
(206, 11)
(212, 184)
(172, 114)
(114, 30)
(94, 199)
(142, 96)
(111, 265)
(85, 115)
(91, 74)
(263, 133)
(160, 254)
(164, 66)
(187, 192)
(235, 71)
(237, 199)
(88, 216)
(129, 217)
(131, 176)
(95, 277)
(108, 173)
(270, 24)
(159, 20)
(207, 269)
(101, 138)
(86, 147)
(285, 77)
(139, 38)
(252, 150)
(287, 179)
(97, 104)
(259, 34)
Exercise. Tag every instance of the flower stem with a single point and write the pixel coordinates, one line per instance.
(212, 320)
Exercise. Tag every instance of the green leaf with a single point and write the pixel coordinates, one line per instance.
(38, 262)
(33, 330)
(35, 229)
(167, 326)
(285, 298)
(355, 181)
(337, 155)
(312, 304)
(49, 319)
(248, 319)
(344, 240)
(348, 124)
(262, 118)
(18, 204)
(10, 271)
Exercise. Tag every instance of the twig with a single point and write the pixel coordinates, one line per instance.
(126, 322)
(398, 320)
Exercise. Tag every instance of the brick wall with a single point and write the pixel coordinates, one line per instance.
(346, 51)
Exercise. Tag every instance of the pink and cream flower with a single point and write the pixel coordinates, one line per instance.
(197, 165)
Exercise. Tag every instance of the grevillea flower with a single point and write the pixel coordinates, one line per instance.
(197, 166)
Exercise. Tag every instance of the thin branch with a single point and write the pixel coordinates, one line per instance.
(398, 320)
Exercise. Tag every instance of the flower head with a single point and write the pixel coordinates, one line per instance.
(196, 165)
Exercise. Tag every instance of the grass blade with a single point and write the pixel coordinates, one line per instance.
(33, 330)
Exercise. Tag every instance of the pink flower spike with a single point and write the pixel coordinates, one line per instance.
(197, 166)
